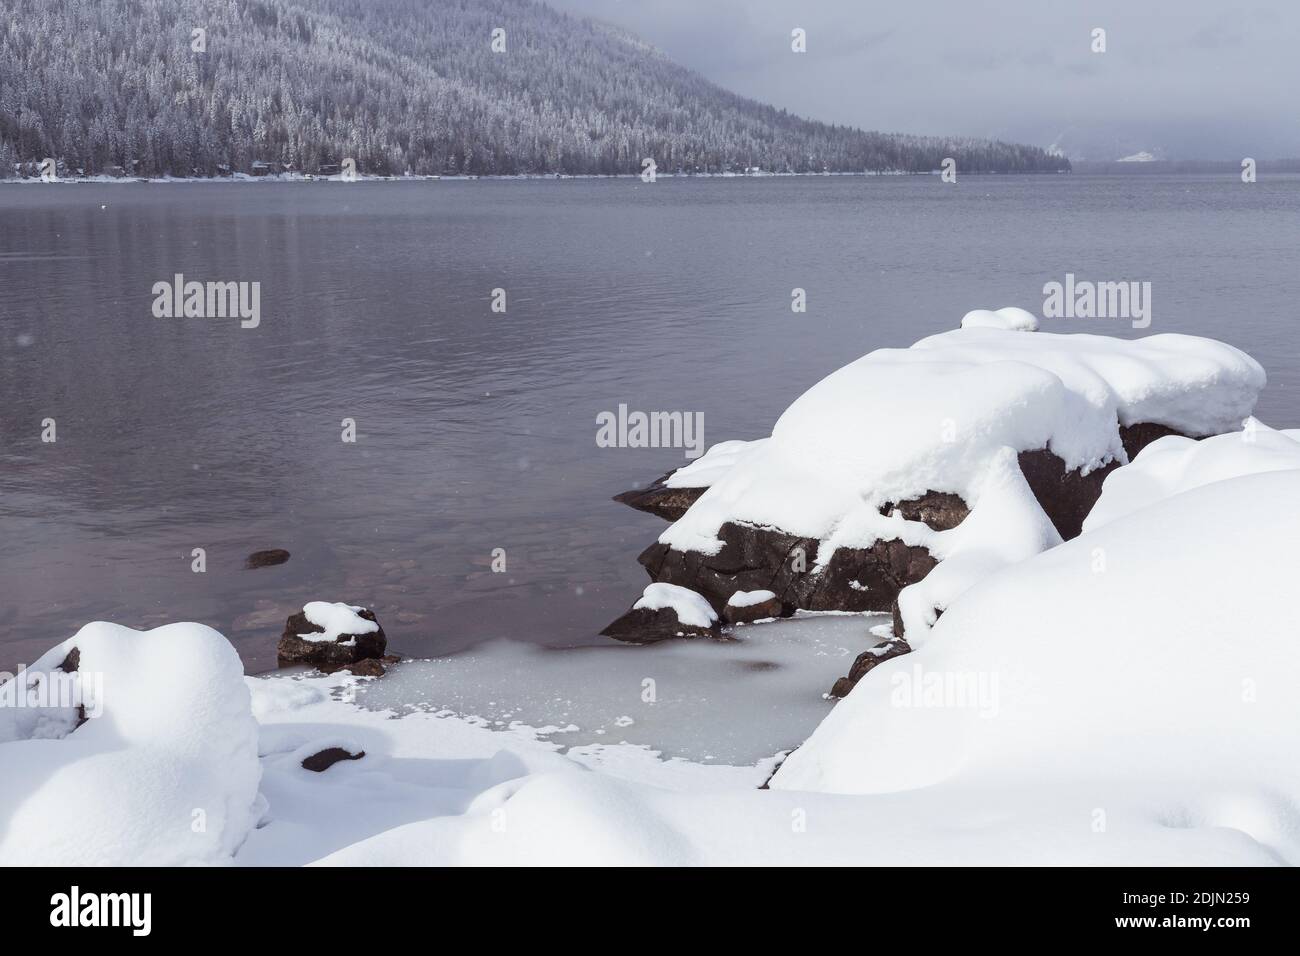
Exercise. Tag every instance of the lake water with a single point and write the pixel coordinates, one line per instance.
(476, 430)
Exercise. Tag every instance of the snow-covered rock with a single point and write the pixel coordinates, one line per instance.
(145, 755)
(1150, 663)
(331, 635)
(665, 611)
(900, 422)
(745, 607)
(671, 495)
(881, 471)
(713, 464)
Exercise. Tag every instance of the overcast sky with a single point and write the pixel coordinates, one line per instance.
(1185, 79)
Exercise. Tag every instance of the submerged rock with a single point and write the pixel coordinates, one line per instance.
(331, 637)
(266, 559)
(370, 667)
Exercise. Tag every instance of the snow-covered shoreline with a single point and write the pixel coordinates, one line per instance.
(1123, 697)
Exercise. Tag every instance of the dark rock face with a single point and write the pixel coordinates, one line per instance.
(266, 559)
(1138, 436)
(760, 559)
(644, 626)
(658, 499)
(867, 660)
(772, 607)
(71, 661)
(1068, 496)
(320, 762)
(751, 559)
(940, 510)
(865, 579)
(328, 656)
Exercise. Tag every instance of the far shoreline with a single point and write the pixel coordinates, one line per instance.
(521, 177)
(1082, 168)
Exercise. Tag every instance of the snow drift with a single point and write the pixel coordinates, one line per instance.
(1149, 662)
(146, 756)
(1172, 465)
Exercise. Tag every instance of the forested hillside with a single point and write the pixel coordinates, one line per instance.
(399, 85)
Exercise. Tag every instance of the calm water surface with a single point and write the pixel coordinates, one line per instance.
(477, 430)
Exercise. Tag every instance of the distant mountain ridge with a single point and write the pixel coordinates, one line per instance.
(400, 85)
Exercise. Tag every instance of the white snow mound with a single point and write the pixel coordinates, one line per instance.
(1150, 663)
(163, 772)
(1173, 464)
(712, 465)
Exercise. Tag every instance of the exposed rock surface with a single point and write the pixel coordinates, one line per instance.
(329, 655)
(1068, 496)
(320, 762)
(658, 499)
(868, 659)
(940, 510)
(370, 667)
(754, 559)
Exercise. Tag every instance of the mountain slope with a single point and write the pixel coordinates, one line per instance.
(398, 85)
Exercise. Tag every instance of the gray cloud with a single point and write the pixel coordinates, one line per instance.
(1182, 78)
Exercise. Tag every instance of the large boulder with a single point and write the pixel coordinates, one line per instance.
(869, 579)
(871, 479)
(331, 636)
